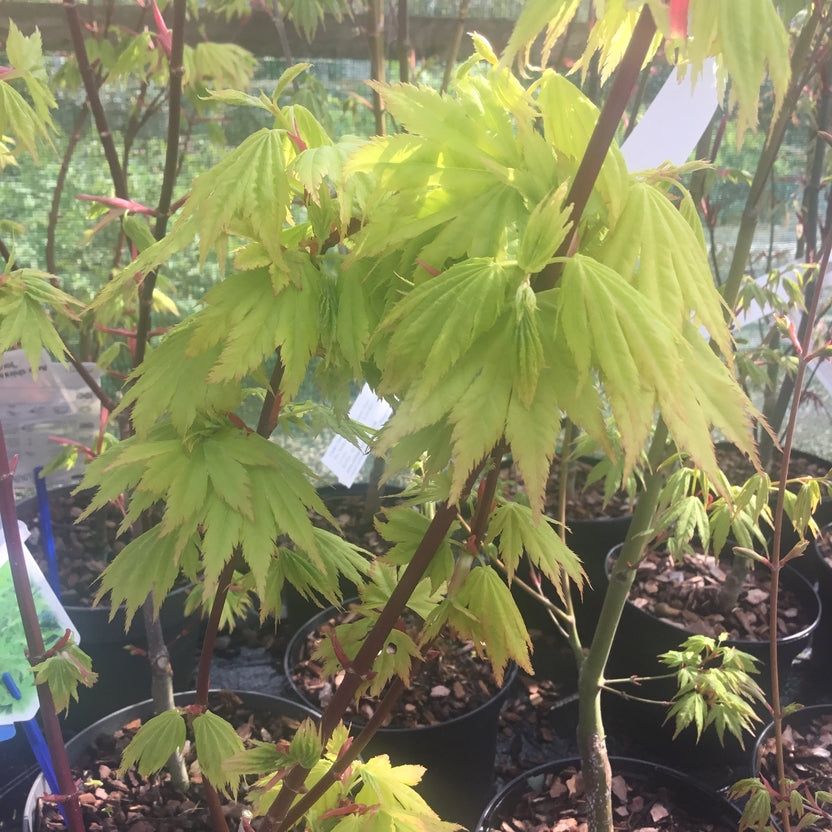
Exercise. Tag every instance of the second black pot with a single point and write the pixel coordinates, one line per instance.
(458, 754)
(642, 637)
(78, 745)
(695, 798)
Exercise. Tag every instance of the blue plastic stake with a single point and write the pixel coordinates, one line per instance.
(46, 531)
(37, 742)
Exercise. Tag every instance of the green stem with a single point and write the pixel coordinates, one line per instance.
(591, 740)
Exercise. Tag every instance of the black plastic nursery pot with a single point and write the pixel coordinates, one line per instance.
(458, 754)
(118, 656)
(822, 572)
(799, 753)
(712, 810)
(78, 745)
(642, 637)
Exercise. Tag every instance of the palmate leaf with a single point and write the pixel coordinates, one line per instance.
(499, 627)
(26, 123)
(432, 326)
(63, 672)
(536, 16)
(405, 527)
(251, 319)
(225, 65)
(23, 319)
(250, 183)
(452, 121)
(520, 531)
(238, 490)
(172, 382)
(611, 35)
(750, 38)
(149, 563)
(677, 277)
(216, 741)
(154, 742)
(569, 134)
(643, 360)
(460, 177)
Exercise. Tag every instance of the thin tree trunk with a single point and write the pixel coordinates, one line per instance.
(404, 48)
(807, 244)
(450, 63)
(375, 30)
(54, 211)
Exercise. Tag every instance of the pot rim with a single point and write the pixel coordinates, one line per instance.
(617, 764)
(804, 713)
(82, 738)
(822, 562)
(799, 583)
(293, 648)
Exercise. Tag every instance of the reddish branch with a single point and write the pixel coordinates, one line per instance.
(34, 641)
(602, 137)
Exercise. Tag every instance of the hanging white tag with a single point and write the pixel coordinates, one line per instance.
(343, 458)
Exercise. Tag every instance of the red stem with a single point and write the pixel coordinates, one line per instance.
(602, 137)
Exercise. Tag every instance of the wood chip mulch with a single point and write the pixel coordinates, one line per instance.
(685, 595)
(111, 802)
(452, 680)
(558, 804)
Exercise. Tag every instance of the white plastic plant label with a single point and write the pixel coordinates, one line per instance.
(344, 459)
(54, 623)
(674, 122)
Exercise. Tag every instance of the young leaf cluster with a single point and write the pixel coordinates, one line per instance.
(714, 687)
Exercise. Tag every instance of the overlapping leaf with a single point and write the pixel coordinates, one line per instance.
(677, 278)
(155, 742)
(643, 360)
(28, 123)
(216, 741)
(569, 118)
(519, 531)
(235, 490)
(23, 319)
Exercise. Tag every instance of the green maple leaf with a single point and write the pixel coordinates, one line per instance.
(155, 742)
(405, 528)
(263, 758)
(536, 16)
(519, 532)
(216, 741)
(26, 123)
(569, 136)
(678, 277)
(432, 326)
(63, 672)
(750, 37)
(493, 620)
(23, 319)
